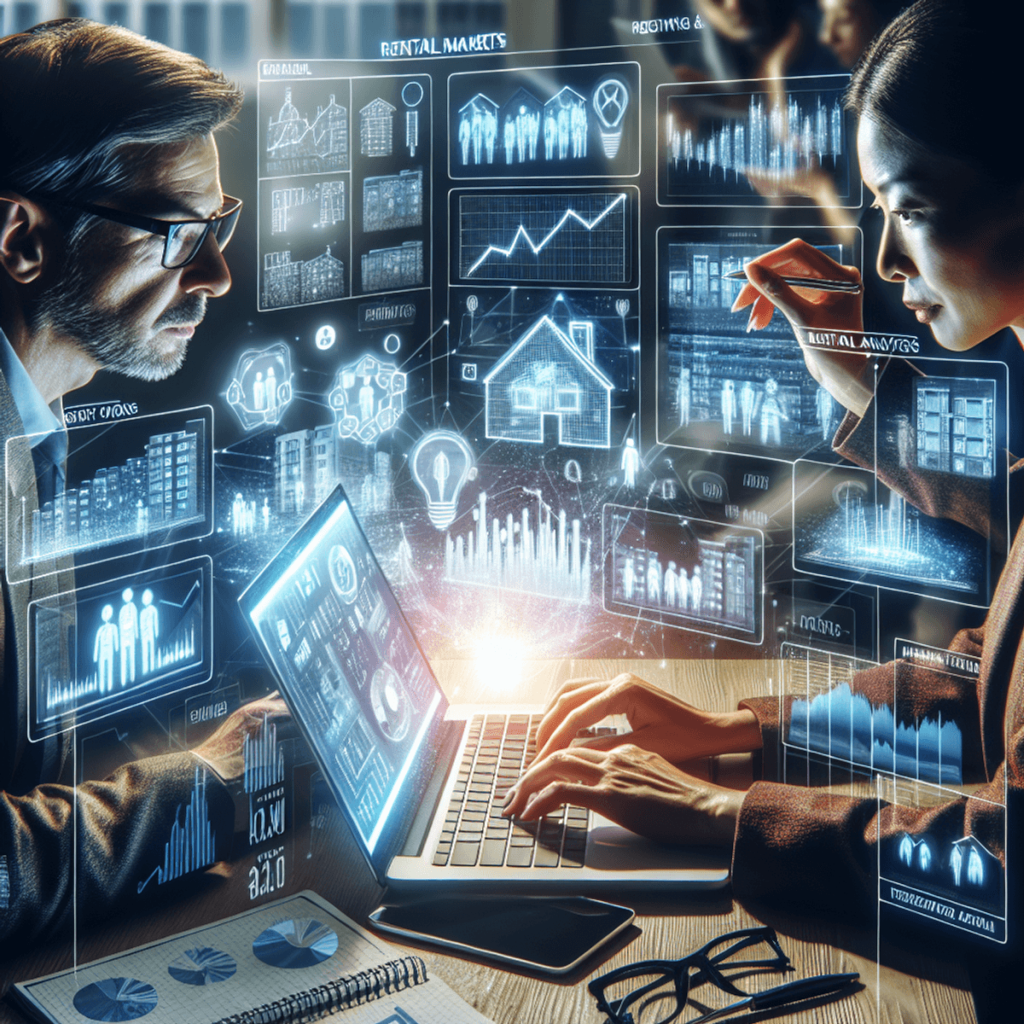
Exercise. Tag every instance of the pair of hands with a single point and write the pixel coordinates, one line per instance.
(636, 783)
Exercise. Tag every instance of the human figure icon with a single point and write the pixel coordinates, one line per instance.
(104, 649)
(772, 415)
(237, 513)
(366, 401)
(266, 514)
(465, 133)
(149, 630)
(630, 463)
(683, 397)
(259, 395)
(128, 623)
(696, 589)
(653, 580)
(510, 140)
(683, 590)
(748, 397)
(628, 578)
(270, 390)
(728, 406)
(671, 585)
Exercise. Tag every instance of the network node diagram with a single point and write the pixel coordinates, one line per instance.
(368, 398)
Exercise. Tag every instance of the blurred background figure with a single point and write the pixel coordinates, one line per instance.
(847, 26)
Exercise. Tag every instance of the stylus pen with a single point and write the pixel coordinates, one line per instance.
(791, 992)
(819, 284)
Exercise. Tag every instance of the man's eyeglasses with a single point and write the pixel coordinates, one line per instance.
(182, 238)
(660, 991)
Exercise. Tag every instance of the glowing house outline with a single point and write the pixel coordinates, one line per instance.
(546, 374)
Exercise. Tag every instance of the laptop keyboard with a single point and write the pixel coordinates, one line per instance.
(475, 833)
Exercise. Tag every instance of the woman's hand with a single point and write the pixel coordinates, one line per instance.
(661, 723)
(847, 376)
(635, 788)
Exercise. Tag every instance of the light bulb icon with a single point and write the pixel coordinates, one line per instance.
(440, 463)
(610, 100)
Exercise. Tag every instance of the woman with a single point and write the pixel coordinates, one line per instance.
(952, 199)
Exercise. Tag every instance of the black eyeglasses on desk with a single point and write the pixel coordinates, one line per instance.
(661, 991)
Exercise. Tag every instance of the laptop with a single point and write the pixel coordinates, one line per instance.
(421, 781)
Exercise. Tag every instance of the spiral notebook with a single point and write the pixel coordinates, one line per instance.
(296, 959)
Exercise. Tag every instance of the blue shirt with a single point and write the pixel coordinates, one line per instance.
(43, 423)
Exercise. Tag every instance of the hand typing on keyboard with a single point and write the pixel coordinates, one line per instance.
(633, 780)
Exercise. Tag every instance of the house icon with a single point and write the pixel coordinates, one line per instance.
(550, 373)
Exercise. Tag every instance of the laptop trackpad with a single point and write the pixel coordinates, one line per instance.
(613, 848)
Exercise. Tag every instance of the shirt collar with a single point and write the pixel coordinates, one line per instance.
(39, 419)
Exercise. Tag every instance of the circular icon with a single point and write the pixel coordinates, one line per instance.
(296, 942)
(412, 93)
(344, 577)
(391, 706)
(115, 999)
(392, 343)
(325, 337)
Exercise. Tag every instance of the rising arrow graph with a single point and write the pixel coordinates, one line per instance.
(607, 270)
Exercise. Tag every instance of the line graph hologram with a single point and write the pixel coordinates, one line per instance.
(568, 239)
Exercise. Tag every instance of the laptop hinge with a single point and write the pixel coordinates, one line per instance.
(449, 738)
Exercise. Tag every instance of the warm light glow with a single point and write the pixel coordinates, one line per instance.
(499, 663)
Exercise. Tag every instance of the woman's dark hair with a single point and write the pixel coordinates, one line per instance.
(943, 73)
(76, 94)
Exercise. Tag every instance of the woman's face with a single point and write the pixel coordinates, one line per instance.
(953, 237)
(847, 26)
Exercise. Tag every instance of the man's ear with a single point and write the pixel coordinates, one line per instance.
(25, 229)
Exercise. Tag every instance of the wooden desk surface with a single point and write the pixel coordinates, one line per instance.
(900, 985)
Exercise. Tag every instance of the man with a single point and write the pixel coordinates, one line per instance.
(112, 222)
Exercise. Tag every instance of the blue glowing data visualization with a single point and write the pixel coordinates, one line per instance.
(575, 120)
(115, 999)
(112, 645)
(554, 237)
(684, 572)
(192, 842)
(721, 387)
(848, 525)
(832, 717)
(955, 880)
(155, 489)
(736, 143)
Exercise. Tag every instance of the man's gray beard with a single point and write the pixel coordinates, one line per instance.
(110, 337)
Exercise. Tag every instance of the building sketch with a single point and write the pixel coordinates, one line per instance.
(151, 493)
(400, 266)
(312, 207)
(956, 425)
(393, 201)
(549, 557)
(571, 239)
(296, 146)
(550, 373)
(300, 282)
(375, 128)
